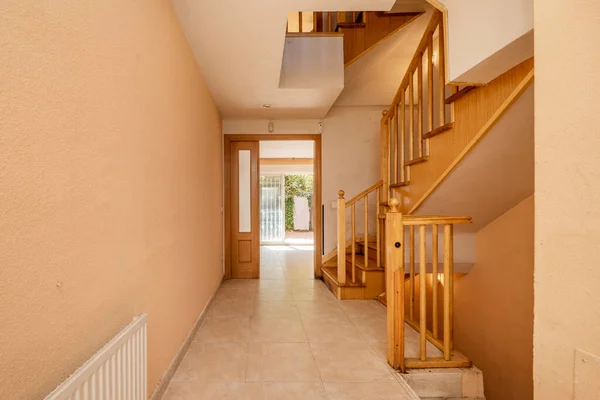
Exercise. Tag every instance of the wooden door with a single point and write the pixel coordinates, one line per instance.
(245, 224)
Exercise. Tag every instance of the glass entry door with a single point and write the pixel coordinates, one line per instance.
(272, 208)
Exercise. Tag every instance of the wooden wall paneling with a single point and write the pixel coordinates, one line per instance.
(474, 116)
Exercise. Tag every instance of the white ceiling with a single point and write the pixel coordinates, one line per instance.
(286, 149)
(410, 6)
(239, 48)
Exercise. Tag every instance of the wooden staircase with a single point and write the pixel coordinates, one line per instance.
(369, 279)
(407, 260)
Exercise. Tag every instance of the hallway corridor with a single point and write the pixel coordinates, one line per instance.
(286, 336)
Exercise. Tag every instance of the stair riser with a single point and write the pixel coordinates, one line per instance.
(344, 293)
(465, 383)
(375, 281)
(372, 253)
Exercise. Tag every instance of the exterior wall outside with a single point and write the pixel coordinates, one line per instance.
(494, 305)
(350, 154)
(567, 233)
(110, 174)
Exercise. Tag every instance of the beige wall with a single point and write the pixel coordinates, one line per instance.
(350, 162)
(487, 37)
(350, 153)
(110, 172)
(567, 176)
(494, 305)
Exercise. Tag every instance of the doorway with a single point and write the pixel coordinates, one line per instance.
(273, 186)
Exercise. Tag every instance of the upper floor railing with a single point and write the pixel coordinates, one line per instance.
(308, 22)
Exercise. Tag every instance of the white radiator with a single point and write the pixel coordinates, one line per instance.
(116, 372)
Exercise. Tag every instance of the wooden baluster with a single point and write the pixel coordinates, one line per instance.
(402, 109)
(353, 221)
(378, 226)
(429, 89)
(411, 118)
(329, 21)
(442, 69)
(300, 21)
(394, 273)
(395, 146)
(341, 17)
(434, 273)
(448, 290)
(366, 239)
(411, 290)
(454, 91)
(341, 238)
(390, 157)
(420, 108)
(353, 16)
(315, 22)
(422, 295)
(384, 162)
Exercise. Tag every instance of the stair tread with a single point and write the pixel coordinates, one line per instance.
(372, 246)
(460, 94)
(331, 272)
(360, 263)
(416, 161)
(438, 130)
(400, 184)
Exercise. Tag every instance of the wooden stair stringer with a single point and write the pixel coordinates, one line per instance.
(475, 115)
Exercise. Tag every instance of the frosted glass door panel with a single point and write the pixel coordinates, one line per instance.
(245, 214)
(271, 209)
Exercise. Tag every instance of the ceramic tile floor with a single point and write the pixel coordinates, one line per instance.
(286, 336)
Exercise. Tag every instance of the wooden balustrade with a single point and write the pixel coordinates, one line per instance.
(308, 22)
(424, 316)
(368, 215)
(419, 110)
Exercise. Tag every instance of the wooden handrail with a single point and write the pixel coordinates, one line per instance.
(435, 20)
(342, 245)
(364, 193)
(434, 220)
(401, 310)
(407, 139)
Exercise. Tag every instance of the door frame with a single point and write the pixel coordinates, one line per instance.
(317, 194)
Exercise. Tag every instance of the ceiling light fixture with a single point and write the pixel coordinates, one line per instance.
(266, 106)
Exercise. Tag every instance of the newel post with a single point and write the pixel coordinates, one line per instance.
(341, 238)
(394, 275)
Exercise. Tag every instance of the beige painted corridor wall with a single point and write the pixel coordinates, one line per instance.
(110, 174)
(494, 305)
(567, 212)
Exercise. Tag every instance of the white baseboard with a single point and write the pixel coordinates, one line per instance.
(164, 381)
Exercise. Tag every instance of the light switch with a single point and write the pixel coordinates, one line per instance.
(334, 204)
